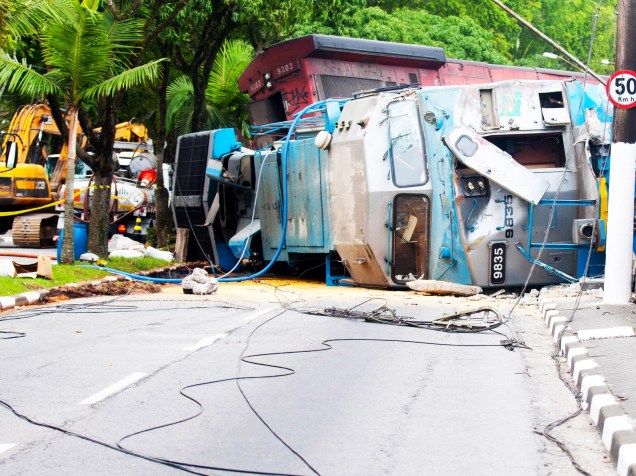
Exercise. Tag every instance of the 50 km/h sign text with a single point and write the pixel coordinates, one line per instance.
(621, 89)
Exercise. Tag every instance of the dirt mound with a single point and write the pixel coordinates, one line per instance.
(116, 288)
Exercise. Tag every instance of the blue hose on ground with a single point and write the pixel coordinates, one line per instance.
(137, 277)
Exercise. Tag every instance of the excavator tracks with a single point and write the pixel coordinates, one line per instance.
(35, 230)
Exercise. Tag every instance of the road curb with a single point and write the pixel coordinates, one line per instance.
(616, 428)
(33, 297)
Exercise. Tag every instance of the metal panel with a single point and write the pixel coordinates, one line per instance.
(336, 86)
(270, 205)
(192, 155)
(192, 191)
(362, 265)
(305, 206)
(556, 116)
(492, 162)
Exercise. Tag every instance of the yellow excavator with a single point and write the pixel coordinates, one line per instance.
(33, 169)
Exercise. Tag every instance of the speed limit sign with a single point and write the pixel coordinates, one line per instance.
(621, 89)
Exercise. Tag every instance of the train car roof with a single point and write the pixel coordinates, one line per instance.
(283, 58)
(344, 49)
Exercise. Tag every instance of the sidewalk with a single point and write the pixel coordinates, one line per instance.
(599, 344)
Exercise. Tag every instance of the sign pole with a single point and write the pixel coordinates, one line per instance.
(620, 222)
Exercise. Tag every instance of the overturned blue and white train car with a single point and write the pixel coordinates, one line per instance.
(472, 184)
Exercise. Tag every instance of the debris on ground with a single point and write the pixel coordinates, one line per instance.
(121, 246)
(6, 268)
(158, 254)
(443, 288)
(121, 242)
(199, 282)
(89, 257)
(44, 267)
(506, 296)
(117, 288)
(586, 286)
(128, 254)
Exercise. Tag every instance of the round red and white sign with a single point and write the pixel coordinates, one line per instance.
(621, 89)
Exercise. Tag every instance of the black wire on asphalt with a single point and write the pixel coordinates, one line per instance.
(12, 335)
(283, 371)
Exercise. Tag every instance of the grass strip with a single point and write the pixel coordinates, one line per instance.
(66, 274)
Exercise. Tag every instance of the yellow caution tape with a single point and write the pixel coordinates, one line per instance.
(48, 205)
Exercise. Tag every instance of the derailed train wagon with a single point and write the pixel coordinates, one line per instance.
(472, 184)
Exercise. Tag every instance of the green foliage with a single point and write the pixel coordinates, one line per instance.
(135, 265)
(484, 13)
(476, 29)
(466, 29)
(222, 92)
(125, 80)
(460, 37)
(6, 9)
(180, 97)
(226, 105)
(19, 76)
(268, 21)
(570, 24)
(84, 52)
(17, 21)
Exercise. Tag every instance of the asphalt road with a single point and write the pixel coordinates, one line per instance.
(192, 380)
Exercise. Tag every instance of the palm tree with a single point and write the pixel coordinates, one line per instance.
(15, 21)
(225, 104)
(84, 52)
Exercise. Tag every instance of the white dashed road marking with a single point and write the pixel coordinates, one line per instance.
(205, 342)
(6, 447)
(114, 388)
(257, 314)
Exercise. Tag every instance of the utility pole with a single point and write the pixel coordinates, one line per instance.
(548, 40)
(620, 221)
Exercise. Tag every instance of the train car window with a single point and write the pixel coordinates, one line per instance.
(406, 145)
(410, 230)
(267, 110)
(533, 151)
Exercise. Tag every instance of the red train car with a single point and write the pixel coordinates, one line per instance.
(288, 76)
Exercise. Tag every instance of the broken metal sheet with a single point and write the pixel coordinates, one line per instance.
(214, 209)
(559, 116)
(240, 240)
(598, 132)
(443, 288)
(489, 160)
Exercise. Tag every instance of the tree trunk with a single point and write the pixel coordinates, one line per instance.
(67, 256)
(199, 119)
(100, 214)
(103, 164)
(163, 217)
